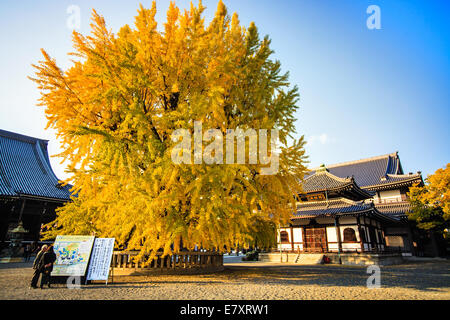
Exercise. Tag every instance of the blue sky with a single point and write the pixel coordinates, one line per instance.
(363, 92)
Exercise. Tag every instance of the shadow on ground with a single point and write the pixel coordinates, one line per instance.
(421, 276)
(429, 276)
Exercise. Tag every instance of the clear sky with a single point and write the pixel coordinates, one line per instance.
(364, 92)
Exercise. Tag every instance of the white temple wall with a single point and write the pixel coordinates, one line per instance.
(298, 236)
(390, 196)
(331, 234)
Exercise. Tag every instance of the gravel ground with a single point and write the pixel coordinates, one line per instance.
(248, 281)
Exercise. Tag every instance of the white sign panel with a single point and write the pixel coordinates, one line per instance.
(101, 256)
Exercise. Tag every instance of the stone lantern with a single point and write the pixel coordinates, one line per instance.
(16, 237)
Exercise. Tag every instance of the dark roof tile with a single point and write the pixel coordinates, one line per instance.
(372, 172)
(340, 206)
(394, 209)
(25, 168)
(324, 180)
(330, 208)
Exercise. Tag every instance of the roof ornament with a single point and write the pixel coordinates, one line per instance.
(322, 168)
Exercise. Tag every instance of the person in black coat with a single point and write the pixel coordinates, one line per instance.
(46, 265)
(36, 267)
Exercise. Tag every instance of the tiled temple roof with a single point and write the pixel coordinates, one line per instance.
(335, 207)
(25, 169)
(394, 209)
(376, 173)
(322, 180)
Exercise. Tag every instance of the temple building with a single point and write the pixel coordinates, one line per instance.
(29, 190)
(358, 206)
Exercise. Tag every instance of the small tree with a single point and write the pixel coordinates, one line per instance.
(430, 204)
(117, 107)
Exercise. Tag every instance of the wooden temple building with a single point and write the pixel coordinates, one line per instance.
(358, 206)
(29, 190)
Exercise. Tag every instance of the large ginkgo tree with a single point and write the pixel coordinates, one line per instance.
(115, 111)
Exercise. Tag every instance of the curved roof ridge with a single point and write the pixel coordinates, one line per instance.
(330, 175)
(47, 165)
(20, 137)
(348, 179)
(397, 164)
(388, 167)
(392, 204)
(331, 201)
(403, 175)
(359, 161)
(335, 201)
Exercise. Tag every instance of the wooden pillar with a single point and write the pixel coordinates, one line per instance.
(292, 239)
(304, 238)
(360, 233)
(338, 234)
(21, 210)
(44, 210)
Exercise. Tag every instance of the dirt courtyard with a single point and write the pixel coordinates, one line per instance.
(248, 281)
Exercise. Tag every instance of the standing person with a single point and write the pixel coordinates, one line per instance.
(27, 252)
(36, 267)
(46, 263)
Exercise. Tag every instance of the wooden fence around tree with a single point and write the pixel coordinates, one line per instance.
(123, 263)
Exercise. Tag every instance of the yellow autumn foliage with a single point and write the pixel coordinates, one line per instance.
(430, 203)
(116, 107)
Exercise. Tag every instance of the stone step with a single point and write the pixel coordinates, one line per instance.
(303, 258)
(310, 258)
